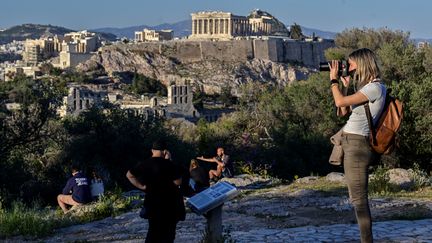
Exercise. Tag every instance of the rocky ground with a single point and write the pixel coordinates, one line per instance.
(268, 212)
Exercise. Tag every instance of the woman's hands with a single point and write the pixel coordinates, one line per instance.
(345, 81)
(334, 70)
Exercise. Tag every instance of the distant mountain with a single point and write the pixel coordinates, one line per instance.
(35, 31)
(30, 31)
(182, 28)
(320, 33)
(417, 40)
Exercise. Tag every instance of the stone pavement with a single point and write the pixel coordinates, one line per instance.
(273, 215)
(388, 231)
(129, 227)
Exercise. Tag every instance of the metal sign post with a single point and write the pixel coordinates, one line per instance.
(214, 224)
(209, 203)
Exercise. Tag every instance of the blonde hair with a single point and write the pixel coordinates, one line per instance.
(367, 67)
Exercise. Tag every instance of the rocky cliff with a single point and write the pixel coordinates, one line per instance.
(210, 74)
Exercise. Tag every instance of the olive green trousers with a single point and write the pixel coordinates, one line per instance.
(357, 157)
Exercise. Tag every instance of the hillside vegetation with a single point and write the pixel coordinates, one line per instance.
(278, 131)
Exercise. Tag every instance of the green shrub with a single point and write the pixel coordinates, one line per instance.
(110, 204)
(20, 220)
(379, 182)
(35, 222)
(420, 177)
(243, 167)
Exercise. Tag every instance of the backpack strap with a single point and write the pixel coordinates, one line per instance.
(370, 122)
(369, 116)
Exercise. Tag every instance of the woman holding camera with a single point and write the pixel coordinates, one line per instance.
(364, 71)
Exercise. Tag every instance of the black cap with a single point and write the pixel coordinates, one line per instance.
(159, 145)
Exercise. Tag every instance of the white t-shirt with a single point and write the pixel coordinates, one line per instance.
(357, 122)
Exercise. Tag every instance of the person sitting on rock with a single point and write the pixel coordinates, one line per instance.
(97, 187)
(199, 179)
(222, 161)
(76, 192)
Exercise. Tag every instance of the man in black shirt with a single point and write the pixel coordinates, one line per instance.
(160, 179)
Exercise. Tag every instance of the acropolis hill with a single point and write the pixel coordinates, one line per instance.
(223, 49)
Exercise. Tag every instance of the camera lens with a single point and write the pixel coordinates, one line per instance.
(324, 66)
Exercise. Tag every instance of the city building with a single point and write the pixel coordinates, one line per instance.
(153, 35)
(85, 42)
(11, 72)
(70, 55)
(77, 47)
(35, 51)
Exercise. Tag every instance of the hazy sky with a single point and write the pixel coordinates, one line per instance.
(414, 16)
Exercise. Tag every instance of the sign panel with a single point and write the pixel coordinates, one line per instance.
(212, 197)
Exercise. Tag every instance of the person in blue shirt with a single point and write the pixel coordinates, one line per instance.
(76, 192)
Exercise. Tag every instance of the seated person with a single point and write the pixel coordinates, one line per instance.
(97, 187)
(199, 180)
(76, 192)
(222, 161)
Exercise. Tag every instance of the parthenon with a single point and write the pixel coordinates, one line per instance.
(218, 25)
(225, 25)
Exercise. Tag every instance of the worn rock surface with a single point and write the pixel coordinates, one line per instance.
(267, 211)
(401, 178)
(211, 75)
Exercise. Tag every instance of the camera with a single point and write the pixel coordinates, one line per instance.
(342, 70)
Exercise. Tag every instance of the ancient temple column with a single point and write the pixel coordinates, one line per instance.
(193, 27)
(205, 29)
(199, 29)
(226, 22)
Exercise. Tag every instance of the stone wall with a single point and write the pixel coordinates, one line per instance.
(308, 53)
(238, 50)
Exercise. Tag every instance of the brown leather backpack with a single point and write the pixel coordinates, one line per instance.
(382, 137)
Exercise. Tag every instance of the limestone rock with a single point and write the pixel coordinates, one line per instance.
(307, 179)
(336, 177)
(246, 181)
(209, 74)
(401, 178)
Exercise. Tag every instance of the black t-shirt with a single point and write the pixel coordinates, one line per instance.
(162, 196)
(201, 178)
